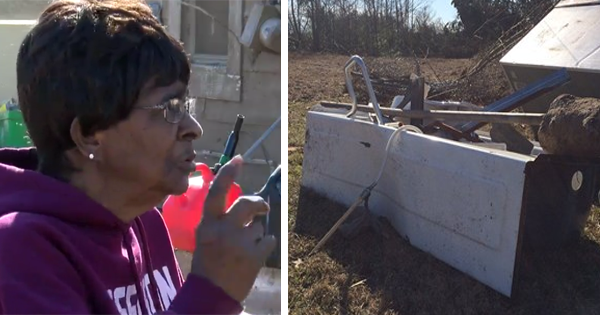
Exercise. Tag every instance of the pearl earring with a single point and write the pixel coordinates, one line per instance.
(91, 156)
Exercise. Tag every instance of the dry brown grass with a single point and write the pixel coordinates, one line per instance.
(373, 274)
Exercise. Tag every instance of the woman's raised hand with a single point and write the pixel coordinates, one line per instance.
(230, 249)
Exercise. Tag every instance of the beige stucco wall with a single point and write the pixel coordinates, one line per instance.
(260, 104)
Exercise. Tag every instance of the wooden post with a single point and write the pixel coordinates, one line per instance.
(417, 99)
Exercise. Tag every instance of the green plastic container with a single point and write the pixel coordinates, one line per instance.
(13, 132)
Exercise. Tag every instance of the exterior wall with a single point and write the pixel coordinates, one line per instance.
(11, 37)
(261, 106)
(12, 32)
(21, 9)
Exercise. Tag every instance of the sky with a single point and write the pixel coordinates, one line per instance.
(443, 9)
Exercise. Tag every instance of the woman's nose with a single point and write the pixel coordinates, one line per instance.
(189, 129)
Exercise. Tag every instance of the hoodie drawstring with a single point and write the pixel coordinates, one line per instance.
(138, 283)
(149, 269)
(146, 257)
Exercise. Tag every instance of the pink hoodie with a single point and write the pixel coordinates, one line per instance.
(63, 253)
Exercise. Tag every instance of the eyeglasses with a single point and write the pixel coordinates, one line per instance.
(175, 109)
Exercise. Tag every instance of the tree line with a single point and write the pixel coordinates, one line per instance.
(408, 27)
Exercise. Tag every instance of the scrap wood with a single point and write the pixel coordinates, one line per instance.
(363, 196)
(358, 283)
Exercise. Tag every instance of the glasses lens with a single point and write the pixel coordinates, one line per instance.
(175, 110)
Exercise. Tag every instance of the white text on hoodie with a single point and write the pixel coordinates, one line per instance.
(126, 298)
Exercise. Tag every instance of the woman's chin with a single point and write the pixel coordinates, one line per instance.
(176, 183)
(181, 187)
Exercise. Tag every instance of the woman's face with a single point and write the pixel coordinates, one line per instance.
(148, 152)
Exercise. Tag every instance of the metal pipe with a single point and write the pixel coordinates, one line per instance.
(533, 119)
(262, 138)
(531, 91)
(216, 154)
(365, 73)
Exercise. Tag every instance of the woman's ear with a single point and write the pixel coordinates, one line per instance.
(86, 145)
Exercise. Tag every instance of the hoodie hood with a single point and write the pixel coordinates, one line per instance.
(23, 189)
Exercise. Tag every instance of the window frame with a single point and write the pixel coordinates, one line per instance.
(213, 76)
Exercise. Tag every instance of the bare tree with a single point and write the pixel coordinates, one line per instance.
(383, 27)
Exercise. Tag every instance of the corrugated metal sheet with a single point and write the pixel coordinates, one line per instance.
(567, 37)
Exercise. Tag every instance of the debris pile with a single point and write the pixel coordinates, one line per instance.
(390, 78)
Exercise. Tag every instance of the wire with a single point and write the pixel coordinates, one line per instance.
(214, 19)
(262, 138)
(366, 193)
(394, 135)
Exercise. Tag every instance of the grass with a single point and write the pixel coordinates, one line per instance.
(375, 274)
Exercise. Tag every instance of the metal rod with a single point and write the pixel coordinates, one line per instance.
(533, 119)
(522, 96)
(260, 140)
(365, 73)
(216, 154)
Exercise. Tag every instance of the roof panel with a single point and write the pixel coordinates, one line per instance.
(566, 37)
(565, 3)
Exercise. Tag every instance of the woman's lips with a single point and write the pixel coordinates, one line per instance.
(190, 166)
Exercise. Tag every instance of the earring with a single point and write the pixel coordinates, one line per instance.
(91, 156)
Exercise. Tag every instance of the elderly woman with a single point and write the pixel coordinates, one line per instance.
(102, 88)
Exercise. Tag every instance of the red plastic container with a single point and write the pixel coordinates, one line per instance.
(182, 213)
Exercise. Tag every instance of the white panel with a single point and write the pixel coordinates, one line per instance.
(564, 3)
(459, 202)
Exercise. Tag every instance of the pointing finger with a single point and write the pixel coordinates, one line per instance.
(214, 205)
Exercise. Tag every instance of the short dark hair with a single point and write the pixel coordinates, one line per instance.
(89, 59)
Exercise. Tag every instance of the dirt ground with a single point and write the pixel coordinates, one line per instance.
(317, 77)
(373, 274)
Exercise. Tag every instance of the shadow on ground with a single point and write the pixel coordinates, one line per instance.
(409, 281)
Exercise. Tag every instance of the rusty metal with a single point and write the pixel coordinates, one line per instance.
(453, 132)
